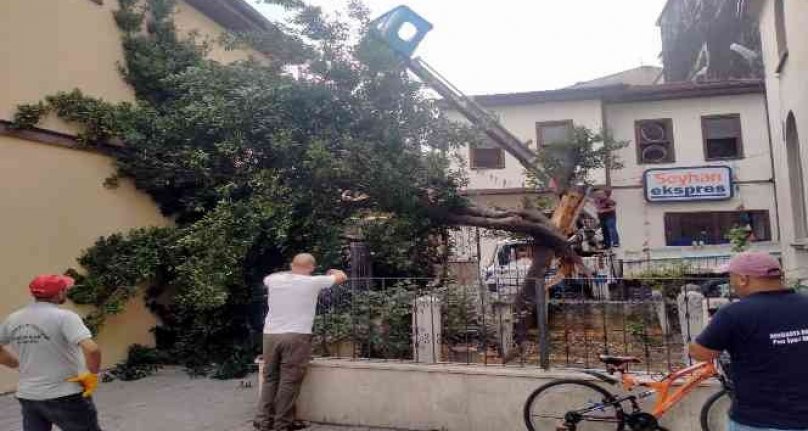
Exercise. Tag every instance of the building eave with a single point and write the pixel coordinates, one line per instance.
(687, 90)
(234, 15)
(623, 93)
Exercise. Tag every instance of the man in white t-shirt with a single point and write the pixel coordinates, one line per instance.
(292, 298)
(57, 359)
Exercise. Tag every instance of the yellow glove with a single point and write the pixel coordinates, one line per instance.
(88, 381)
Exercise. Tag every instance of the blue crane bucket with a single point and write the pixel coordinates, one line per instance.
(402, 29)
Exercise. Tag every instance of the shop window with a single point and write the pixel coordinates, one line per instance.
(722, 137)
(688, 228)
(654, 141)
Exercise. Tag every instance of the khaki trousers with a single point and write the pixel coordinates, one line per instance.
(286, 357)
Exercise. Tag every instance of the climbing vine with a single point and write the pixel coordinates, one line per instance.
(250, 163)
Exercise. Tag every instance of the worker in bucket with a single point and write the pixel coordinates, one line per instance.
(57, 359)
(607, 214)
(292, 298)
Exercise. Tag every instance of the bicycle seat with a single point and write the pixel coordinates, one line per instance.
(618, 361)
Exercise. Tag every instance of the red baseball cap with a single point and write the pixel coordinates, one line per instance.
(753, 264)
(49, 285)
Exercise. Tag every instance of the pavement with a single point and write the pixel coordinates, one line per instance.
(170, 401)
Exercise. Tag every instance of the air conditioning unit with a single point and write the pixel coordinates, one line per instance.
(655, 141)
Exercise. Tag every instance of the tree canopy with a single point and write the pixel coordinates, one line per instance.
(256, 160)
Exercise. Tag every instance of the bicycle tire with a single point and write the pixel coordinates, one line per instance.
(527, 409)
(704, 417)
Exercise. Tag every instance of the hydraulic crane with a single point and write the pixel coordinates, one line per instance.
(403, 30)
(391, 28)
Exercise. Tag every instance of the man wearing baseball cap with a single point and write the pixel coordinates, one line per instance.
(55, 382)
(766, 335)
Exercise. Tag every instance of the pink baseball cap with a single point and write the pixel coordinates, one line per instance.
(753, 264)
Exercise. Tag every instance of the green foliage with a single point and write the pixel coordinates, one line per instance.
(379, 321)
(572, 163)
(28, 115)
(140, 362)
(251, 163)
(738, 238)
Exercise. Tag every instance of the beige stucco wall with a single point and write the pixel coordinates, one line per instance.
(188, 19)
(54, 205)
(58, 45)
(53, 201)
(786, 92)
(521, 121)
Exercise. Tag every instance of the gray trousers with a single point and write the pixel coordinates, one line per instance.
(70, 413)
(286, 357)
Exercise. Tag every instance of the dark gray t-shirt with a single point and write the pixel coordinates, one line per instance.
(766, 335)
(46, 338)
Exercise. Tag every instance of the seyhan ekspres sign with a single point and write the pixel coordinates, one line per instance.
(705, 183)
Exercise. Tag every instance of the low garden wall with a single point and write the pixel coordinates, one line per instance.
(441, 396)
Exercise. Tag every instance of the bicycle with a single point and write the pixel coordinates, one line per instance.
(595, 408)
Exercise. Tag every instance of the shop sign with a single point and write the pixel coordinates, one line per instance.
(703, 183)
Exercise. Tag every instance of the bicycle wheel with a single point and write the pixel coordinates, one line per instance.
(548, 406)
(714, 412)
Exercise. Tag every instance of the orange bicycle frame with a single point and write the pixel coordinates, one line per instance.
(665, 397)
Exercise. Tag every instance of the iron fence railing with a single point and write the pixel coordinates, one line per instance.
(429, 321)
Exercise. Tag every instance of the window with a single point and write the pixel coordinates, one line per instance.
(722, 137)
(553, 132)
(654, 141)
(795, 178)
(780, 30)
(687, 228)
(486, 157)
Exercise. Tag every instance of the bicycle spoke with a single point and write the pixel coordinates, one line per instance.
(572, 403)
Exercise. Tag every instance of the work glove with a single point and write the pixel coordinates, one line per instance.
(88, 381)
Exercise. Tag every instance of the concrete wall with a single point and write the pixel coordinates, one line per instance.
(521, 121)
(786, 93)
(444, 397)
(54, 205)
(641, 223)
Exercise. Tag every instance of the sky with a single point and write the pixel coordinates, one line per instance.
(503, 46)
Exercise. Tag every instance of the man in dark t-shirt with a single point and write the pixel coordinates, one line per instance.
(766, 335)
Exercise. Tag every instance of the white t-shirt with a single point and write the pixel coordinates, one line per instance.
(292, 301)
(46, 339)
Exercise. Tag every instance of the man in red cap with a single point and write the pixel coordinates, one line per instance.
(766, 335)
(56, 380)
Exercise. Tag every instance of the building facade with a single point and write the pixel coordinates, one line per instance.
(53, 200)
(697, 163)
(783, 28)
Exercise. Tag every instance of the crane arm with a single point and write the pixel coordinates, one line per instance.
(478, 116)
(389, 26)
